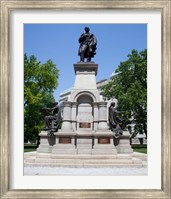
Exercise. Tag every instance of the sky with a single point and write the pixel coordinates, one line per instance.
(59, 42)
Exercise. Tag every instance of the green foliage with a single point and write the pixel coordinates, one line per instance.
(129, 87)
(40, 80)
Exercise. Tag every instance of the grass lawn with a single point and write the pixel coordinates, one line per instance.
(141, 148)
(30, 147)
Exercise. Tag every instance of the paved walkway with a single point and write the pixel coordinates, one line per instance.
(59, 171)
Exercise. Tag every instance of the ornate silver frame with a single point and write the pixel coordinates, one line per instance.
(6, 7)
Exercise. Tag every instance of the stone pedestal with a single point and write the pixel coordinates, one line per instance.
(65, 143)
(85, 81)
(46, 142)
(84, 126)
(103, 143)
(124, 144)
(85, 75)
(85, 117)
(88, 112)
(84, 142)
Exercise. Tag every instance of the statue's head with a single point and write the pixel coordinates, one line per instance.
(55, 103)
(87, 29)
(113, 104)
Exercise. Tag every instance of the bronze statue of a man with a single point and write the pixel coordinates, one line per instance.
(87, 47)
(116, 124)
(52, 121)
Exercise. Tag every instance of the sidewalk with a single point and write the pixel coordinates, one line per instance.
(59, 171)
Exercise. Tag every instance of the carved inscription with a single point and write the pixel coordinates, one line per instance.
(84, 125)
(64, 140)
(103, 140)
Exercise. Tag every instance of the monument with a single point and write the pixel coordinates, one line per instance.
(85, 113)
(85, 132)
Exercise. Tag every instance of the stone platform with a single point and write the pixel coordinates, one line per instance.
(81, 149)
(81, 161)
(85, 142)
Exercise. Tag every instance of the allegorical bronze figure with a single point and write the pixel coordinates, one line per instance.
(52, 121)
(115, 122)
(88, 43)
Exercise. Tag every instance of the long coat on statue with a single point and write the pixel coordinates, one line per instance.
(88, 44)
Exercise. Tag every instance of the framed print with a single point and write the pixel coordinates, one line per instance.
(14, 14)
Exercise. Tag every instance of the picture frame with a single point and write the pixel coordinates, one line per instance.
(6, 7)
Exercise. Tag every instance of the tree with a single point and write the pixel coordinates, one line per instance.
(129, 87)
(40, 80)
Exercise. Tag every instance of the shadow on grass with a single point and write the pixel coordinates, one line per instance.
(30, 147)
(141, 148)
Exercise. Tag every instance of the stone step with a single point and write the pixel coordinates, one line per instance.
(140, 156)
(55, 156)
(56, 160)
(83, 161)
(29, 160)
(81, 165)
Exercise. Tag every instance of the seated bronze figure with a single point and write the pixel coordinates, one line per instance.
(116, 124)
(52, 121)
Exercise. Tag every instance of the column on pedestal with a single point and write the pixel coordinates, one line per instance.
(96, 117)
(66, 125)
(102, 116)
(73, 115)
